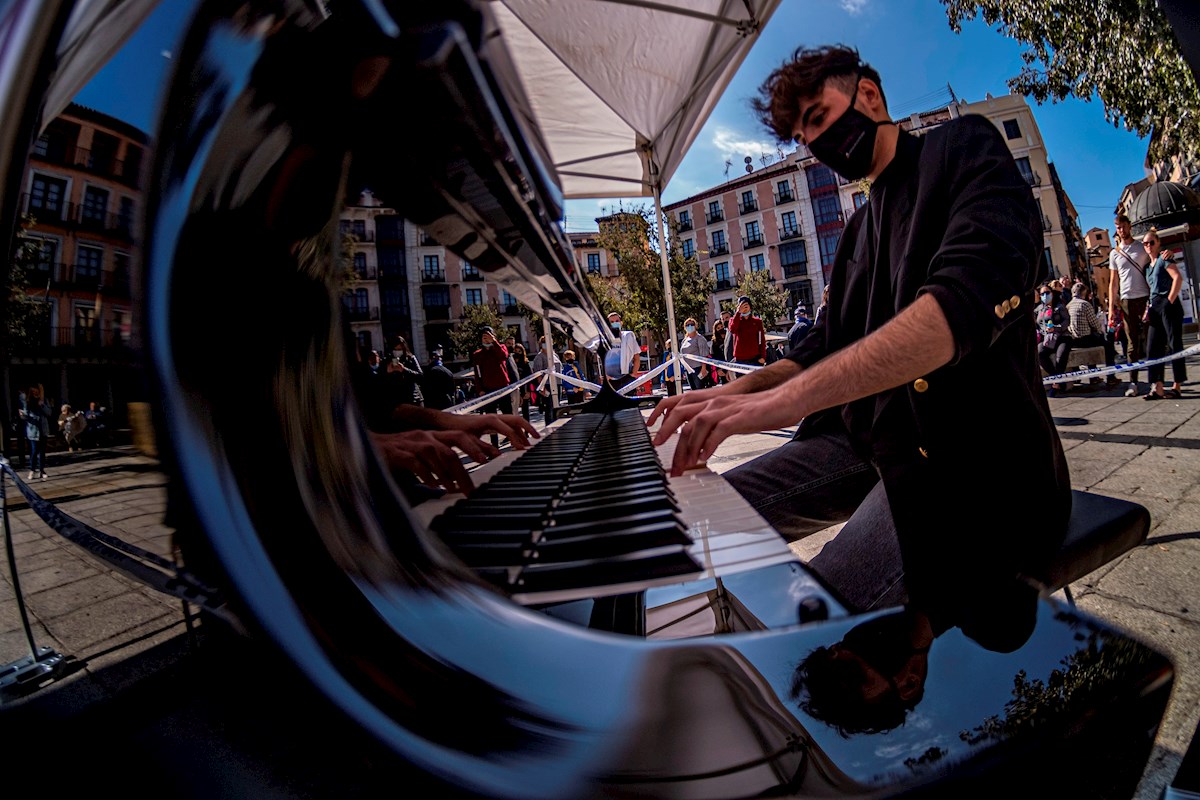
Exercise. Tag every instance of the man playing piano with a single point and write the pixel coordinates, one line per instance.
(923, 424)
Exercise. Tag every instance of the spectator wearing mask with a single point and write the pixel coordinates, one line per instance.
(621, 361)
(749, 335)
(1163, 317)
(694, 344)
(491, 370)
(1054, 343)
(539, 363)
(800, 327)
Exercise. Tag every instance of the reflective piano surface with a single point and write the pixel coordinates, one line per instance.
(270, 120)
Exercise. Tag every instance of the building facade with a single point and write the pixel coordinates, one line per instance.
(82, 197)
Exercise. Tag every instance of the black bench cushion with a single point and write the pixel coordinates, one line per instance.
(1101, 529)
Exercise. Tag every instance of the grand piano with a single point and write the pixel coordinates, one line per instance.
(538, 639)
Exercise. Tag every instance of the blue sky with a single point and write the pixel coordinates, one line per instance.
(908, 41)
(917, 55)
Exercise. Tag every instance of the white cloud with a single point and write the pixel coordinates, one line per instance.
(853, 7)
(734, 146)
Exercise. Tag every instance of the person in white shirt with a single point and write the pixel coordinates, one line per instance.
(1127, 280)
(620, 363)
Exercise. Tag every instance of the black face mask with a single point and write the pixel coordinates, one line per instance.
(848, 145)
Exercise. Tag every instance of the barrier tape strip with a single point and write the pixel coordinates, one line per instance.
(580, 382)
(496, 394)
(132, 561)
(646, 378)
(1095, 372)
(745, 369)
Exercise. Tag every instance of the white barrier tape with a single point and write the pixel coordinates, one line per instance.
(1096, 372)
(745, 369)
(479, 402)
(649, 376)
(580, 382)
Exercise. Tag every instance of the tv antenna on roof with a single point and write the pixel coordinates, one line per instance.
(749, 164)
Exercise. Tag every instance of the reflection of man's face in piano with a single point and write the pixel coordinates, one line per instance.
(869, 681)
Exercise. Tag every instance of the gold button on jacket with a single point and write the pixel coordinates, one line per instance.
(920, 384)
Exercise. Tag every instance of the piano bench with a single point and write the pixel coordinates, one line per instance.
(1101, 528)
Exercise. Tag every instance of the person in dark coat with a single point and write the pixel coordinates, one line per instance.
(923, 424)
(437, 383)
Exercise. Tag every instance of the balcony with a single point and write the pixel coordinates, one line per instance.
(98, 163)
(362, 314)
(428, 241)
(718, 250)
(511, 310)
(1033, 179)
(92, 340)
(724, 284)
(472, 275)
(83, 276)
(360, 236)
(714, 216)
(685, 225)
(754, 241)
(433, 276)
(784, 197)
(437, 312)
(795, 269)
(746, 208)
(1046, 223)
(789, 233)
(365, 274)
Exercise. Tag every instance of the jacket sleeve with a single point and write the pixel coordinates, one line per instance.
(762, 339)
(987, 261)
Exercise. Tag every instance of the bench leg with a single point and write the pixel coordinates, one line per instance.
(1070, 597)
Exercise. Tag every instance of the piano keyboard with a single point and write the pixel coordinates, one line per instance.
(588, 511)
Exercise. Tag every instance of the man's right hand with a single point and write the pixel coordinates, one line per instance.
(668, 404)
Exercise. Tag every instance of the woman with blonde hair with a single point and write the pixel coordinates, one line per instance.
(694, 344)
(1163, 317)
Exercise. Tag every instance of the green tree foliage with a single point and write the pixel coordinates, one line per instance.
(26, 314)
(464, 337)
(767, 300)
(1122, 52)
(637, 293)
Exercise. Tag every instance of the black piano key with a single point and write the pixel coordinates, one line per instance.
(630, 540)
(610, 524)
(629, 568)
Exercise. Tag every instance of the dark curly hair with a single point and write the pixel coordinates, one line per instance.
(803, 76)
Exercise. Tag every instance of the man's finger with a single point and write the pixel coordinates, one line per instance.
(681, 414)
(661, 409)
(693, 438)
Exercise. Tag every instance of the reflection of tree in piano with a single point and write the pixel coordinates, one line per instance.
(637, 292)
(1101, 664)
(464, 337)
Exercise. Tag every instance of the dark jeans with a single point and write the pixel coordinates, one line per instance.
(810, 484)
(1054, 359)
(37, 456)
(1164, 336)
(1135, 331)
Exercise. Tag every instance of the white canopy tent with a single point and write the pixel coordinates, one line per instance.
(621, 88)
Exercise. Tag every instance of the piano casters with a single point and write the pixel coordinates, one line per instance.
(43, 664)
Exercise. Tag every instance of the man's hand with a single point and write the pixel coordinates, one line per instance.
(512, 426)
(668, 404)
(705, 424)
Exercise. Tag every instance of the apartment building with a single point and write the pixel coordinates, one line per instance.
(404, 283)
(83, 192)
(788, 216)
(1099, 245)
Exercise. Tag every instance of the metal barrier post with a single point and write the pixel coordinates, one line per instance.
(43, 664)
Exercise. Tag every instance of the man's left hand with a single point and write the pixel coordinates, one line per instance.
(513, 426)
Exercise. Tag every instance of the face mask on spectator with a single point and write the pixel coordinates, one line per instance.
(1046, 297)
(690, 328)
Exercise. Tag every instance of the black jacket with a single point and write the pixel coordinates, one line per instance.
(972, 463)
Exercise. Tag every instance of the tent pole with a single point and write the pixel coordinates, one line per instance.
(552, 384)
(666, 272)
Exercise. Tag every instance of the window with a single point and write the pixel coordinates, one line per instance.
(359, 228)
(748, 202)
(470, 273)
(435, 296)
(132, 165)
(389, 227)
(433, 269)
(95, 205)
(828, 242)
(783, 192)
(391, 262)
(827, 208)
(722, 271)
(125, 215)
(800, 293)
(788, 224)
(88, 261)
(860, 199)
(395, 302)
(507, 299)
(46, 195)
(757, 262)
(793, 257)
(1011, 129)
(593, 263)
(714, 207)
(685, 220)
(356, 303)
(753, 235)
(820, 175)
(1051, 273)
(85, 325)
(360, 264)
(1026, 170)
(121, 270)
(718, 241)
(689, 248)
(473, 297)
